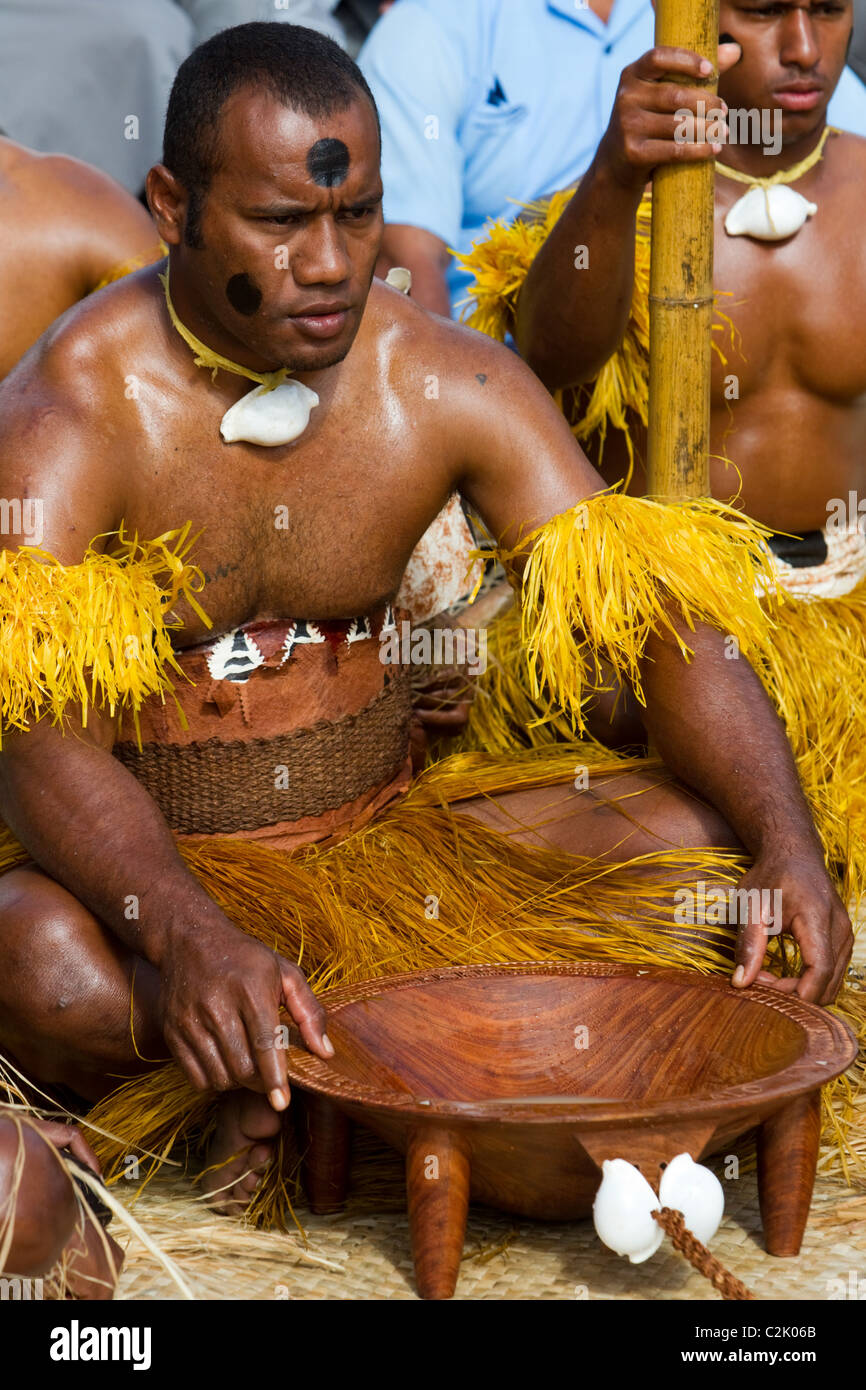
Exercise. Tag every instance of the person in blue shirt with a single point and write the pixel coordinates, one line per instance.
(489, 103)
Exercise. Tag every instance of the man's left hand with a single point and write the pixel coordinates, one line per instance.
(810, 911)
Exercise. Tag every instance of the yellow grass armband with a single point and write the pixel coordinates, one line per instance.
(500, 263)
(499, 266)
(94, 633)
(608, 573)
(619, 393)
(119, 272)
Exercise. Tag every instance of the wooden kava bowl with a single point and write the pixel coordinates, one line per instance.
(510, 1085)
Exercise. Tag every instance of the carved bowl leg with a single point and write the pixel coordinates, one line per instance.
(325, 1142)
(437, 1183)
(787, 1153)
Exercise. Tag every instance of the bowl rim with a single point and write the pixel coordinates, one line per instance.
(830, 1049)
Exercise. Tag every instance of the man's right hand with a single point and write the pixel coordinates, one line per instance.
(644, 123)
(221, 994)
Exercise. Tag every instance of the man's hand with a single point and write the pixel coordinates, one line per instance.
(643, 125)
(440, 708)
(810, 911)
(424, 254)
(444, 702)
(221, 994)
(90, 1258)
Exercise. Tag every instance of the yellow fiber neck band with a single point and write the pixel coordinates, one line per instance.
(785, 175)
(206, 357)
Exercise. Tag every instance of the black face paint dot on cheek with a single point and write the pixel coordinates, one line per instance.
(328, 162)
(244, 294)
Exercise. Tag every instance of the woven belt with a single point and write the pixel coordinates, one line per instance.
(217, 788)
(800, 552)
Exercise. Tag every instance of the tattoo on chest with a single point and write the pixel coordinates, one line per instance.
(221, 572)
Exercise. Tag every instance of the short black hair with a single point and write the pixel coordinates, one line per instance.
(298, 66)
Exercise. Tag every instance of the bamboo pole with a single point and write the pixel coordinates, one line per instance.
(681, 286)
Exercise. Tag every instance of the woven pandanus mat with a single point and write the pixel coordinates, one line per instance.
(363, 1253)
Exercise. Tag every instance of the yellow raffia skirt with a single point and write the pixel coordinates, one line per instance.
(425, 886)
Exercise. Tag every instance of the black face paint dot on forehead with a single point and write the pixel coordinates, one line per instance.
(244, 294)
(328, 162)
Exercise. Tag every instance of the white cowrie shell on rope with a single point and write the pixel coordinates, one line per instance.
(399, 278)
(691, 1188)
(769, 214)
(622, 1212)
(269, 417)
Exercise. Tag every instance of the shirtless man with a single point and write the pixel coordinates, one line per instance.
(788, 429)
(269, 199)
(796, 430)
(64, 227)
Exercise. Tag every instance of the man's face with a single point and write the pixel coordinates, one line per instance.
(793, 55)
(290, 230)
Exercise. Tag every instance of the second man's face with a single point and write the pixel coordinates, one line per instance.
(794, 53)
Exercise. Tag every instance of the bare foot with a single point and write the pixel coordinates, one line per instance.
(241, 1150)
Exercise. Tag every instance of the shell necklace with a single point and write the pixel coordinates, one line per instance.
(275, 412)
(771, 211)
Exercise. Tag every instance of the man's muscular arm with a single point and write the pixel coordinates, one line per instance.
(104, 227)
(570, 321)
(85, 819)
(87, 225)
(710, 717)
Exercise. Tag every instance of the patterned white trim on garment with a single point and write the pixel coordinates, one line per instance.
(234, 657)
(300, 634)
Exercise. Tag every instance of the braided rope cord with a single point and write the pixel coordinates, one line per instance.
(727, 1284)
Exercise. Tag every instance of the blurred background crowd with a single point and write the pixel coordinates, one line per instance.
(484, 103)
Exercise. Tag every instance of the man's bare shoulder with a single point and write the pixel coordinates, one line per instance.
(850, 149)
(476, 412)
(86, 352)
(36, 176)
(67, 423)
(102, 225)
(419, 344)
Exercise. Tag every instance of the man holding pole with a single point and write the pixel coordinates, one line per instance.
(488, 103)
(788, 430)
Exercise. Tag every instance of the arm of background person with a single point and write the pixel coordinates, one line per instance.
(428, 258)
(417, 67)
(709, 717)
(104, 227)
(82, 815)
(572, 314)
